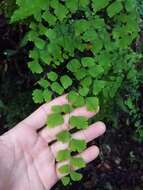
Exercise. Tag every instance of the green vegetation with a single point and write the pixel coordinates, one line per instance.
(84, 48)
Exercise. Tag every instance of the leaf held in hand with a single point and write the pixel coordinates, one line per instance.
(75, 176)
(75, 99)
(79, 122)
(65, 180)
(64, 136)
(77, 162)
(66, 108)
(54, 120)
(47, 95)
(65, 169)
(63, 155)
(77, 145)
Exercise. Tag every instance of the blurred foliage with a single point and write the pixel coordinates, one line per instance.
(7, 7)
(140, 6)
(15, 97)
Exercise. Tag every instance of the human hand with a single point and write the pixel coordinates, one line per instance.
(27, 161)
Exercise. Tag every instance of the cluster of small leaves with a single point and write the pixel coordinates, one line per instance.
(56, 118)
(81, 47)
(72, 38)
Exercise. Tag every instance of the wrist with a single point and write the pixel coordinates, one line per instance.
(6, 162)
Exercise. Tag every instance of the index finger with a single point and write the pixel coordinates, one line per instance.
(38, 118)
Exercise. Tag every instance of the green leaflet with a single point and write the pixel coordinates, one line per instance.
(73, 65)
(90, 35)
(96, 71)
(60, 10)
(63, 155)
(37, 96)
(81, 26)
(28, 8)
(98, 46)
(78, 122)
(77, 162)
(130, 5)
(43, 83)
(51, 19)
(39, 43)
(83, 91)
(54, 120)
(34, 54)
(57, 109)
(98, 86)
(75, 176)
(35, 67)
(83, 3)
(45, 57)
(114, 8)
(86, 82)
(88, 61)
(75, 99)
(47, 95)
(79, 102)
(98, 5)
(129, 103)
(72, 5)
(65, 180)
(50, 33)
(64, 136)
(77, 145)
(66, 81)
(66, 108)
(92, 103)
(52, 76)
(80, 74)
(65, 169)
(56, 87)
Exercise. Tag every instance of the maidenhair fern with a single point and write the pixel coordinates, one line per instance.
(56, 118)
(80, 47)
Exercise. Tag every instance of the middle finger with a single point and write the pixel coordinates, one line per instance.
(94, 131)
(49, 134)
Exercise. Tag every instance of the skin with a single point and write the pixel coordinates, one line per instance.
(27, 161)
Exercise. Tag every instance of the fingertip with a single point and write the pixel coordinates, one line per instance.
(82, 111)
(101, 126)
(95, 130)
(90, 153)
(95, 151)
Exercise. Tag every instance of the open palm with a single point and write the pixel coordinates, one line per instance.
(30, 148)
